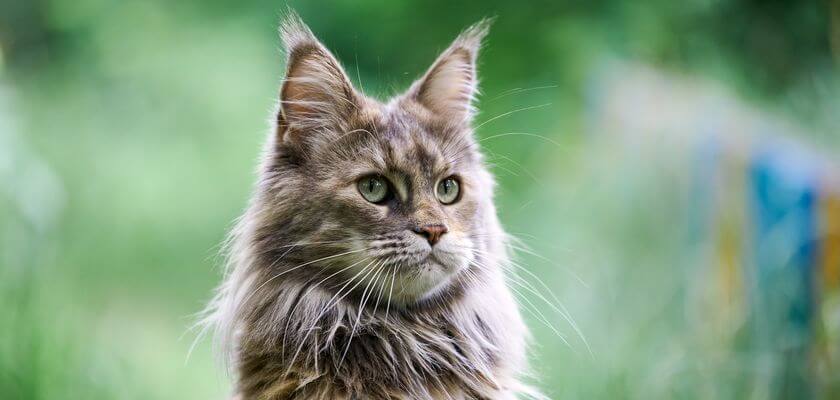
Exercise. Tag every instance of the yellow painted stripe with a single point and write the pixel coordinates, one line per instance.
(831, 242)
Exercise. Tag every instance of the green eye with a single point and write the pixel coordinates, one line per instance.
(448, 191)
(373, 188)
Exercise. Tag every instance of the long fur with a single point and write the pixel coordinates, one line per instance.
(320, 299)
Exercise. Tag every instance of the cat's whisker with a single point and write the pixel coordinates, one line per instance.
(361, 308)
(474, 146)
(358, 74)
(539, 316)
(525, 248)
(557, 305)
(253, 292)
(560, 310)
(511, 112)
(549, 140)
(521, 90)
(343, 296)
(309, 290)
(298, 244)
(521, 168)
(540, 281)
(502, 167)
(565, 269)
(535, 312)
(519, 267)
(327, 307)
(390, 292)
(379, 296)
(543, 284)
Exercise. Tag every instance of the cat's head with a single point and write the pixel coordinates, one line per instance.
(361, 193)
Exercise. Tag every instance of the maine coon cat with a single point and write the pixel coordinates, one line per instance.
(368, 263)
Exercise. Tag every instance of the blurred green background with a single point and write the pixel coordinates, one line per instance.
(129, 133)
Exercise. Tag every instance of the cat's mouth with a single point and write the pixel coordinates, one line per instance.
(409, 263)
(432, 258)
(416, 270)
(423, 276)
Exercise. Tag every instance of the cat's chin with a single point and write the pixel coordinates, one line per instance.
(424, 281)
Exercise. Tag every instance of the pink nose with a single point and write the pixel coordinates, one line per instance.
(432, 233)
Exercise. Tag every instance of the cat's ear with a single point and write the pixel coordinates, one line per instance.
(316, 93)
(450, 86)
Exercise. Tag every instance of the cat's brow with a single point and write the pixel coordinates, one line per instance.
(359, 138)
(433, 159)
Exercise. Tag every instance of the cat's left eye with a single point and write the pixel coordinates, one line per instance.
(448, 190)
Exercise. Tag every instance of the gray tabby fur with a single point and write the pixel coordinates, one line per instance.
(328, 296)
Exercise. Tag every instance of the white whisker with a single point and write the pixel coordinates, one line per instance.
(362, 303)
(390, 292)
(309, 290)
(511, 112)
(245, 301)
(521, 134)
(329, 304)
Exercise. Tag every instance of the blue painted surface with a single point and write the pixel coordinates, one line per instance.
(784, 206)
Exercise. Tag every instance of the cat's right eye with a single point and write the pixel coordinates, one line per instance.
(373, 188)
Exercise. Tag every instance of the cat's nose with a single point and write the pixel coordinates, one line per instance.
(432, 233)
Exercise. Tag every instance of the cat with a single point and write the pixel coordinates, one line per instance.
(368, 264)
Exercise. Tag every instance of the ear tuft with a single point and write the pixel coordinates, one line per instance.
(295, 33)
(472, 37)
(450, 86)
(316, 92)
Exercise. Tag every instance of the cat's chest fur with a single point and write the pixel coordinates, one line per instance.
(464, 350)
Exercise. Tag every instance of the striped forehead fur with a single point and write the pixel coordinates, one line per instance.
(292, 319)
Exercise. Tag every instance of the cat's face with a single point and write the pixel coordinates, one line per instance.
(380, 197)
(406, 194)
